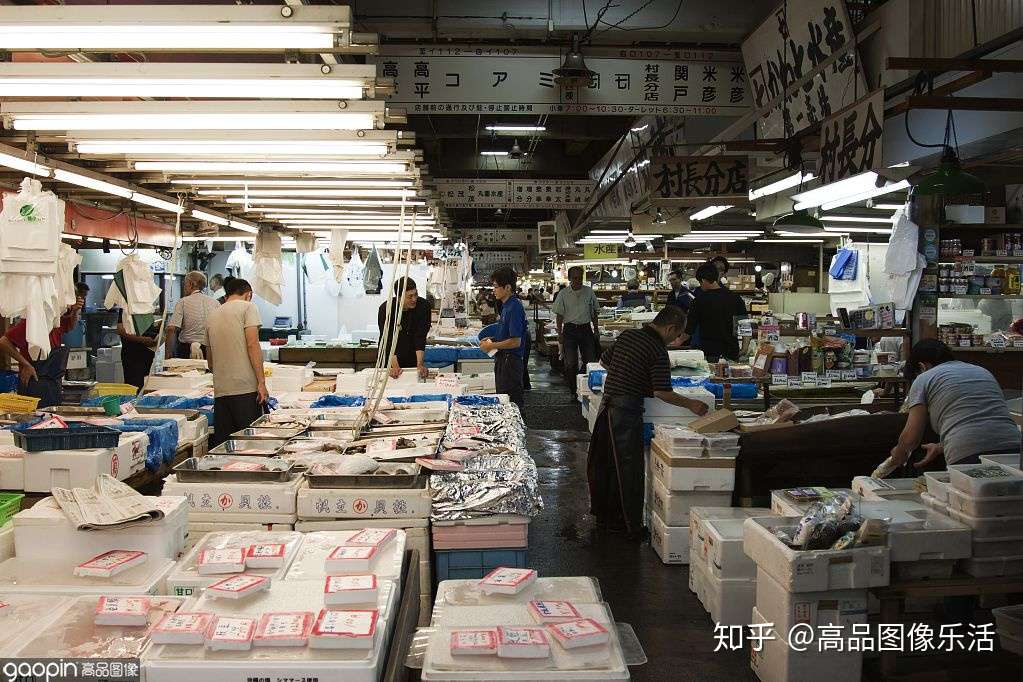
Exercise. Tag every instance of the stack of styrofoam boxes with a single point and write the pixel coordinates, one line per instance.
(287, 378)
(729, 576)
(817, 587)
(703, 549)
(886, 489)
(43, 471)
(682, 474)
(483, 383)
(343, 508)
(109, 369)
(989, 499)
(216, 506)
(178, 384)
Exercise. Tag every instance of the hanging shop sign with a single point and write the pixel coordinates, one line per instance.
(698, 180)
(851, 140)
(537, 193)
(809, 44)
(547, 236)
(485, 262)
(601, 251)
(509, 237)
(474, 79)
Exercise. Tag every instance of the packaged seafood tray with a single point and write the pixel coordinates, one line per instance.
(237, 469)
(268, 433)
(388, 475)
(262, 448)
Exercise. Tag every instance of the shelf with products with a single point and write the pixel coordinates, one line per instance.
(952, 260)
(1008, 297)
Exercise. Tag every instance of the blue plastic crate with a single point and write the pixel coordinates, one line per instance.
(8, 381)
(473, 564)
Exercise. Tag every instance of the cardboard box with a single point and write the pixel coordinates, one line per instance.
(673, 508)
(777, 662)
(358, 503)
(79, 468)
(708, 474)
(715, 422)
(228, 499)
(670, 543)
(814, 570)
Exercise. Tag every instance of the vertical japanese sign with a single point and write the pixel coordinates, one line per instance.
(851, 139)
(460, 79)
(698, 180)
(794, 46)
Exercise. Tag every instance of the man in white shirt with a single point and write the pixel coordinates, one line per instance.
(576, 309)
(187, 324)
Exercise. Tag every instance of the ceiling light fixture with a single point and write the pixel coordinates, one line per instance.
(24, 165)
(274, 167)
(322, 202)
(210, 218)
(709, 211)
(241, 148)
(790, 241)
(846, 191)
(500, 128)
(779, 185)
(493, 152)
(855, 219)
(798, 221)
(355, 193)
(91, 183)
(260, 182)
(147, 200)
(573, 72)
(844, 229)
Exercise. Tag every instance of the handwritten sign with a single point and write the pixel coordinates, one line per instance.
(447, 383)
(809, 377)
(834, 373)
(851, 139)
(795, 382)
(779, 380)
(698, 180)
(823, 382)
(848, 375)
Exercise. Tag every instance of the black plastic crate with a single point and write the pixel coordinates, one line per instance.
(78, 436)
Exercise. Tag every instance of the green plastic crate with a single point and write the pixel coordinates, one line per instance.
(10, 504)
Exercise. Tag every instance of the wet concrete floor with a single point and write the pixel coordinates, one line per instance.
(674, 630)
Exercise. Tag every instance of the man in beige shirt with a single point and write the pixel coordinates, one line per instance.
(239, 388)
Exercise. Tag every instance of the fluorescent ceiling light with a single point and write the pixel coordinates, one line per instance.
(844, 192)
(140, 198)
(843, 229)
(368, 167)
(783, 233)
(516, 129)
(323, 202)
(494, 153)
(244, 226)
(621, 232)
(258, 182)
(91, 183)
(779, 185)
(853, 219)
(23, 165)
(241, 148)
(220, 238)
(868, 194)
(790, 241)
(285, 212)
(888, 207)
(385, 193)
(708, 212)
(210, 218)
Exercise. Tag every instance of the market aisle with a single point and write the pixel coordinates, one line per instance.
(675, 631)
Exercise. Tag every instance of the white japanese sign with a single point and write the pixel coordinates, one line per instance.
(793, 41)
(851, 140)
(536, 193)
(485, 262)
(488, 237)
(471, 79)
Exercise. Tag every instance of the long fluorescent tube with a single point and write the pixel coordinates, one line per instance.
(221, 238)
(493, 153)
(863, 196)
(783, 233)
(516, 129)
(853, 219)
(140, 198)
(888, 207)
(708, 212)
(284, 212)
(258, 182)
(91, 183)
(24, 165)
(621, 232)
(843, 229)
(383, 193)
(369, 167)
(210, 218)
(323, 202)
(244, 226)
(241, 148)
(790, 241)
(844, 192)
(194, 121)
(779, 185)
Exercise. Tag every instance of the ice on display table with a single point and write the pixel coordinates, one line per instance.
(474, 642)
(311, 560)
(186, 579)
(579, 633)
(372, 537)
(182, 628)
(522, 642)
(230, 633)
(507, 580)
(342, 590)
(350, 560)
(130, 611)
(544, 612)
(578, 590)
(239, 586)
(218, 561)
(110, 563)
(265, 555)
(289, 628)
(345, 629)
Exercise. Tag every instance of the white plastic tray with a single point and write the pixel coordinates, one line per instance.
(994, 566)
(1000, 479)
(33, 577)
(990, 526)
(1004, 505)
(310, 561)
(25, 616)
(579, 590)
(938, 485)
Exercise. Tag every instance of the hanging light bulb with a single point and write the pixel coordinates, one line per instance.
(573, 73)
(659, 217)
(630, 241)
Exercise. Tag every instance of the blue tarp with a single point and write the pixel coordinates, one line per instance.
(163, 439)
(339, 401)
(477, 400)
(98, 401)
(471, 353)
(440, 356)
(596, 379)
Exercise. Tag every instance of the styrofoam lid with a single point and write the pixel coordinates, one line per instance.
(46, 512)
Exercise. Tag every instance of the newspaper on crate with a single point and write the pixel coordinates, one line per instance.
(110, 504)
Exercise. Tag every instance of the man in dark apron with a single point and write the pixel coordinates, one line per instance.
(44, 378)
(509, 341)
(637, 368)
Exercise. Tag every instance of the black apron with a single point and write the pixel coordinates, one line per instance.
(508, 373)
(615, 468)
(49, 386)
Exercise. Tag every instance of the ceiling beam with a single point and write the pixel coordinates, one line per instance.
(934, 65)
(965, 103)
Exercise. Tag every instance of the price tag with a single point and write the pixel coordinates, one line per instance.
(779, 380)
(1001, 252)
(968, 253)
(1017, 343)
(824, 382)
(795, 382)
(849, 375)
(809, 377)
(985, 291)
(830, 331)
(998, 342)
(834, 373)
(447, 382)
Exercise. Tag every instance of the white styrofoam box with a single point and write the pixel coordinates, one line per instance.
(306, 526)
(722, 539)
(79, 468)
(1003, 505)
(938, 485)
(12, 469)
(933, 504)
(654, 407)
(986, 480)
(28, 576)
(670, 543)
(783, 505)
(173, 663)
(576, 589)
(357, 503)
(984, 548)
(827, 607)
(993, 566)
(592, 406)
(156, 382)
(185, 579)
(938, 569)
(886, 489)
(990, 526)
(236, 498)
(777, 662)
(25, 616)
(44, 533)
(310, 562)
(6, 541)
(695, 565)
(697, 515)
(197, 531)
(582, 385)
(813, 570)
(1010, 460)
(673, 508)
(703, 474)
(929, 537)
(730, 602)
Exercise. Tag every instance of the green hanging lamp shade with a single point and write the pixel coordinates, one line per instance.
(799, 221)
(949, 179)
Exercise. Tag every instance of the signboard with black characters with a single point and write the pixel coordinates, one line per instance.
(698, 180)
(851, 140)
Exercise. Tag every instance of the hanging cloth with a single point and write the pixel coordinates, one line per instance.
(267, 272)
(354, 273)
(135, 292)
(843, 265)
(374, 276)
(338, 238)
(305, 242)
